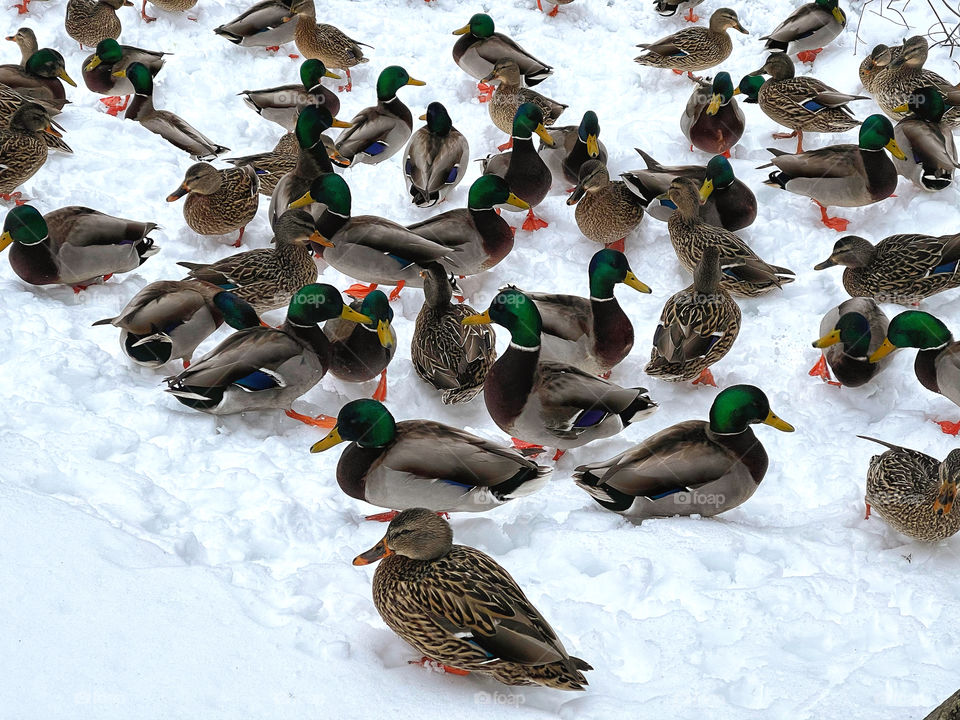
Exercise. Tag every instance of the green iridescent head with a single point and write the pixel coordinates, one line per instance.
(48, 63)
(607, 268)
(528, 120)
(490, 190)
(318, 302)
(312, 123)
(480, 25)
(722, 92)
(139, 76)
(438, 120)
(738, 407)
(749, 87)
(927, 103)
(236, 312)
(376, 306)
(516, 312)
(391, 79)
(109, 51)
(876, 133)
(331, 190)
(311, 71)
(24, 225)
(366, 422)
(720, 172)
(853, 331)
(913, 329)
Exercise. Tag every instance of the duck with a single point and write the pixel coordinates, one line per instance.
(539, 402)
(572, 146)
(903, 75)
(267, 277)
(927, 142)
(607, 211)
(693, 48)
(527, 175)
(167, 5)
(695, 467)
(168, 319)
(110, 56)
(218, 201)
(361, 351)
(26, 40)
(744, 273)
(436, 158)
(726, 201)
(325, 42)
(378, 132)
(265, 368)
(266, 24)
(422, 463)
(669, 8)
(40, 78)
(903, 269)
(22, 148)
(461, 609)
(74, 245)
(172, 128)
(556, 6)
(283, 104)
(697, 327)
(90, 21)
(270, 166)
(879, 58)
(511, 94)
(849, 334)
(11, 101)
(452, 357)
(480, 47)
(712, 120)
(476, 237)
(844, 175)
(807, 30)
(913, 492)
(803, 104)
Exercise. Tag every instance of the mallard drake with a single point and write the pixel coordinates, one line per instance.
(927, 142)
(11, 101)
(878, 59)
(110, 56)
(902, 269)
(844, 175)
(172, 128)
(572, 146)
(712, 120)
(913, 492)
(266, 24)
(168, 319)
(549, 403)
(691, 468)
(90, 21)
(283, 104)
(219, 201)
(22, 148)
(324, 42)
(265, 368)
(725, 201)
(694, 48)
(396, 465)
(436, 158)
(697, 327)
(510, 94)
(73, 245)
(452, 357)
(479, 49)
(607, 211)
(361, 351)
(476, 237)
(744, 273)
(526, 174)
(669, 8)
(168, 5)
(808, 29)
(267, 277)
(270, 166)
(903, 75)
(803, 104)
(459, 608)
(378, 132)
(40, 78)
(26, 40)
(849, 333)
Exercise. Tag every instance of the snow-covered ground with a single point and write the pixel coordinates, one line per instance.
(157, 563)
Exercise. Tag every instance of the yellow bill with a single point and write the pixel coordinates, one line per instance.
(66, 78)
(715, 102)
(348, 313)
(902, 108)
(634, 282)
(5, 240)
(773, 421)
(414, 81)
(593, 147)
(544, 135)
(332, 438)
(517, 202)
(94, 63)
(384, 334)
(895, 150)
(881, 352)
(706, 190)
(479, 319)
(302, 201)
(332, 75)
(340, 124)
(831, 338)
(462, 31)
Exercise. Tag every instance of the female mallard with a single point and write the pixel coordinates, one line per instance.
(844, 175)
(607, 211)
(693, 48)
(421, 463)
(266, 24)
(167, 5)
(326, 43)
(476, 237)
(669, 8)
(378, 132)
(265, 368)
(807, 30)
(902, 269)
(459, 608)
(592, 334)
(26, 40)
(510, 94)
(73, 245)
(267, 277)
(904, 75)
(849, 333)
(361, 351)
(549, 403)
(572, 146)
(110, 56)
(744, 273)
(270, 166)
(11, 101)
(726, 201)
(526, 174)
(283, 104)
(23, 150)
(452, 357)
(803, 104)
(219, 201)
(90, 21)
(40, 78)
(878, 60)
(436, 158)
(172, 128)
(712, 120)
(168, 319)
(691, 468)
(927, 142)
(698, 326)
(913, 492)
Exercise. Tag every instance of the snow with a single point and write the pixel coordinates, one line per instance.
(162, 563)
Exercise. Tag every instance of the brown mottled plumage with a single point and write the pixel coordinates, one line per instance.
(273, 165)
(22, 148)
(511, 94)
(90, 21)
(324, 42)
(694, 48)
(904, 74)
(607, 211)
(218, 201)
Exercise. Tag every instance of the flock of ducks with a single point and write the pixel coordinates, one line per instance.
(453, 603)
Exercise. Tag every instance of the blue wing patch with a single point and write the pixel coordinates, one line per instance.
(812, 106)
(375, 148)
(452, 176)
(257, 380)
(589, 418)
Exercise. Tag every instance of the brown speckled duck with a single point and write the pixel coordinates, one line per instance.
(510, 94)
(607, 211)
(167, 5)
(26, 40)
(694, 48)
(22, 148)
(218, 201)
(324, 42)
(90, 21)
